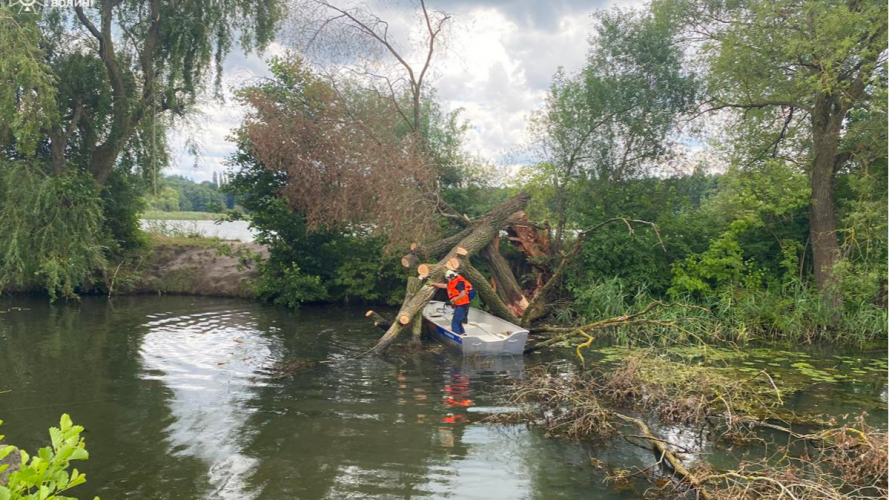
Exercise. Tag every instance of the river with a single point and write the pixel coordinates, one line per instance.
(227, 230)
(181, 398)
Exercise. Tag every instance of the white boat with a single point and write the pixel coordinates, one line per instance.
(485, 335)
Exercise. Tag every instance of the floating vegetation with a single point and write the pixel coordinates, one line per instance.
(799, 367)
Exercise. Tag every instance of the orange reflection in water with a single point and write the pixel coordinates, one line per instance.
(456, 395)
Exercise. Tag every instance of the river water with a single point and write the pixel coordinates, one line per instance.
(182, 398)
(179, 402)
(227, 230)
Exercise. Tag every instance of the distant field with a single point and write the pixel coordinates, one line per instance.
(158, 215)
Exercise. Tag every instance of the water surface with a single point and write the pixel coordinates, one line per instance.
(182, 398)
(226, 230)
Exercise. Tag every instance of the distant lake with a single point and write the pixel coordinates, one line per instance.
(234, 230)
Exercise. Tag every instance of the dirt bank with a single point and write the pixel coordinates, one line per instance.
(202, 267)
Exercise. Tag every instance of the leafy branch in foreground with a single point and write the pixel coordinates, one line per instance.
(45, 475)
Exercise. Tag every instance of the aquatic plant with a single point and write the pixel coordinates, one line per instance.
(832, 462)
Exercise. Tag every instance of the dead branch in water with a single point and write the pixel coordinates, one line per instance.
(668, 456)
(851, 464)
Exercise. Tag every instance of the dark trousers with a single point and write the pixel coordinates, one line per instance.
(461, 315)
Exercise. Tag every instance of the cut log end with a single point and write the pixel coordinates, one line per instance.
(404, 319)
(369, 313)
(410, 260)
(423, 271)
(462, 251)
(453, 264)
(413, 246)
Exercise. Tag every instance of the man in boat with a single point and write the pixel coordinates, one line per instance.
(459, 293)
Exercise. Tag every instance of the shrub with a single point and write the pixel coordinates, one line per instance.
(44, 475)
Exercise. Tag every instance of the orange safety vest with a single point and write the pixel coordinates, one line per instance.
(453, 292)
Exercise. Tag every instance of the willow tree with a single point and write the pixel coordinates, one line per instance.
(116, 68)
(794, 70)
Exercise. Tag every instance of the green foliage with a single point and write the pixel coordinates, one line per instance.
(176, 193)
(52, 229)
(740, 313)
(864, 210)
(122, 203)
(673, 204)
(762, 213)
(45, 476)
(23, 114)
(289, 286)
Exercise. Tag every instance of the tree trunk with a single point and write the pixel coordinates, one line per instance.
(413, 286)
(487, 294)
(480, 233)
(434, 250)
(380, 321)
(827, 119)
(508, 289)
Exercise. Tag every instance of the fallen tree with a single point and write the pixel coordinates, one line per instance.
(480, 237)
(473, 239)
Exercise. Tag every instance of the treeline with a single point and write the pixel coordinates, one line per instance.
(176, 193)
(774, 220)
(762, 165)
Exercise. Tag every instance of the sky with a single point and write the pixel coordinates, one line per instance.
(500, 58)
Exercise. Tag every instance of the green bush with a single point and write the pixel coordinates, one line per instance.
(45, 475)
(741, 312)
(289, 287)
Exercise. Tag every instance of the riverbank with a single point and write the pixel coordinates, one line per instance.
(159, 215)
(199, 266)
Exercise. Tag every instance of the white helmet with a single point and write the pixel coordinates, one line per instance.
(450, 274)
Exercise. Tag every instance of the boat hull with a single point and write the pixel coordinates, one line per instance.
(486, 335)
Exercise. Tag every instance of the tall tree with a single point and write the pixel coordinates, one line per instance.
(114, 65)
(795, 69)
(611, 122)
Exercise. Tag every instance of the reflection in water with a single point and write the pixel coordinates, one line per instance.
(172, 393)
(208, 361)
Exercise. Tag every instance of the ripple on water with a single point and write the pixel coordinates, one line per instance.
(209, 362)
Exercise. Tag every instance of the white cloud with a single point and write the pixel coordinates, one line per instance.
(499, 63)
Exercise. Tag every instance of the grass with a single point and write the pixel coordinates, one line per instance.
(794, 314)
(158, 215)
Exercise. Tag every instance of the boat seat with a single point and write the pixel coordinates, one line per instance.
(484, 326)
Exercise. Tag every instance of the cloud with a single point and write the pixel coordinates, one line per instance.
(531, 15)
(501, 57)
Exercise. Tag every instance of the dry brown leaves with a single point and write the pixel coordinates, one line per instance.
(344, 161)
